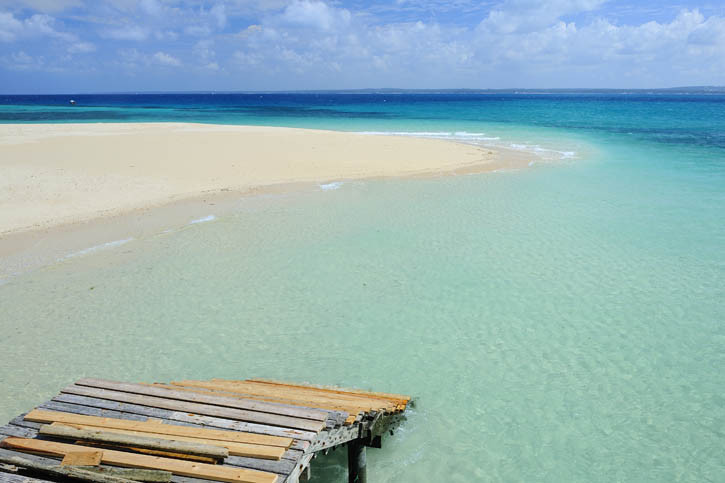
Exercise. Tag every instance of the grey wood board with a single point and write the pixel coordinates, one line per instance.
(90, 411)
(18, 431)
(15, 478)
(205, 409)
(19, 421)
(303, 463)
(190, 396)
(224, 423)
(115, 405)
(280, 467)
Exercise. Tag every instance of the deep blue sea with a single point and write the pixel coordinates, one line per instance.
(562, 323)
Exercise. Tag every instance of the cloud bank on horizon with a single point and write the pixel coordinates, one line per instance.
(139, 45)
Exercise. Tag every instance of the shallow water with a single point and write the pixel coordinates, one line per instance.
(561, 324)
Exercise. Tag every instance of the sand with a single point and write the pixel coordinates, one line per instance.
(56, 176)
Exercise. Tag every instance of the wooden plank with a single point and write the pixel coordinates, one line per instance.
(289, 397)
(281, 467)
(399, 399)
(43, 416)
(149, 390)
(119, 458)
(337, 414)
(153, 452)
(206, 409)
(291, 393)
(375, 403)
(135, 474)
(134, 411)
(15, 478)
(210, 421)
(11, 430)
(142, 440)
(60, 471)
(82, 458)
(302, 465)
(232, 448)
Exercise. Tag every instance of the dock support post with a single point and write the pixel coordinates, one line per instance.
(356, 462)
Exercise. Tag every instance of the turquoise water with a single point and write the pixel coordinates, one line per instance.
(563, 323)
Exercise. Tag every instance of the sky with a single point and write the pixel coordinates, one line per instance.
(76, 46)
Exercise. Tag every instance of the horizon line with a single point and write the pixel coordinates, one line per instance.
(391, 90)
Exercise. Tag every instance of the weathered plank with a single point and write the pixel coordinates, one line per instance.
(397, 398)
(329, 439)
(11, 430)
(60, 471)
(311, 393)
(259, 406)
(243, 426)
(268, 393)
(232, 448)
(15, 478)
(19, 421)
(302, 465)
(135, 474)
(157, 428)
(205, 409)
(281, 467)
(135, 410)
(184, 468)
(138, 441)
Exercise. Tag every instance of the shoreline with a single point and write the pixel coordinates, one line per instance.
(59, 199)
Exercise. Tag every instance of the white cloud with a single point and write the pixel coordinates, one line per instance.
(163, 58)
(128, 32)
(35, 26)
(81, 48)
(218, 13)
(150, 7)
(314, 14)
(22, 61)
(10, 27)
(525, 16)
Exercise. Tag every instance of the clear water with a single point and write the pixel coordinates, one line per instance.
(560, 324)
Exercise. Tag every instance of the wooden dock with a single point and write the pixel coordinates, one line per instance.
(255, 431)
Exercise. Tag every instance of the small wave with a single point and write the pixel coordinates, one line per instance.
(406, 133)
(543, 152)
(331, 186)
(472, 136)
(203, 220)
(103, 246)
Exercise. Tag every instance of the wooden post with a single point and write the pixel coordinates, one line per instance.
(356, 462)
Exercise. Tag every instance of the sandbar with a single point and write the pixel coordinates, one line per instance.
(60, 175)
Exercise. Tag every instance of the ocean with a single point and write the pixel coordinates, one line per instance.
(560, 323)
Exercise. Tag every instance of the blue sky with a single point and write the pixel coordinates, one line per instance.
(72, 46)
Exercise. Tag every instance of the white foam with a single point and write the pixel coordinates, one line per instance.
(332, 186)
(203, 220)
(103, 246)
(544, 152)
